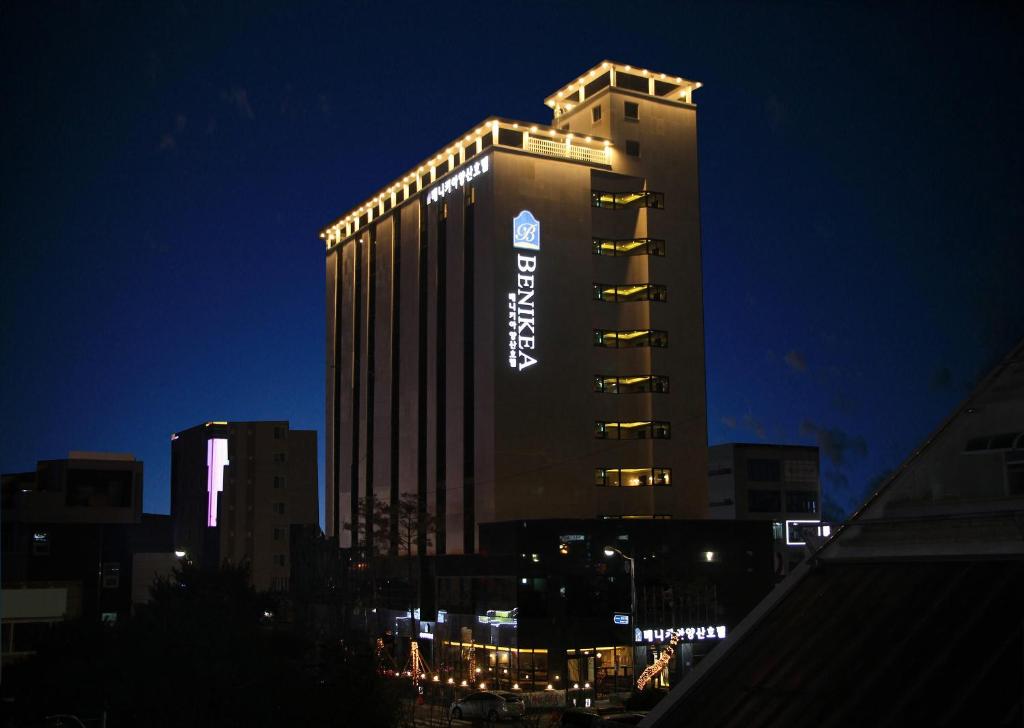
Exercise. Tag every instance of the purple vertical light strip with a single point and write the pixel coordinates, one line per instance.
(216, 459)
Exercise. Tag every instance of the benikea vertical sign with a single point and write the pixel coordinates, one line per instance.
(522, 326)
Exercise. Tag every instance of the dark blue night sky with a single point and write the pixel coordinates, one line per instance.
(166, 171)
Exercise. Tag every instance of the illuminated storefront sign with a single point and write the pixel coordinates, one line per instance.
(795, 531)
(500, 617)
(458, 180)
(619, 618)
(692, 634)
(522, 336)
(216, 459)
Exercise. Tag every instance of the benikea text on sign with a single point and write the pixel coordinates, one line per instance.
(522, 325)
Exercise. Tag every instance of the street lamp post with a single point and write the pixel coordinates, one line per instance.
(611, 551)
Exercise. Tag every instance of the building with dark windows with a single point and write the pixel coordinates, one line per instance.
(237, 488)
(515, 325)
(76, 544)
(777, 483)
(910, 613)
(564, 601)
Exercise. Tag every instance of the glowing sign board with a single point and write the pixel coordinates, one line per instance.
(458, 180)
(691, 634)
(795, 531)
(522, 336)
(216, 459)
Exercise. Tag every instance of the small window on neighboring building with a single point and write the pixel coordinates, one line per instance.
(767, 471)
(279, 559)
(278, 534)
(632, 111)
(632, 148)
(40, 543)
(801, 501)
(280, 457)
(595, 114)
(279, 509)
(764, 501)
(1015, 473)
(111, 575)
(279, 481)
(278, 433)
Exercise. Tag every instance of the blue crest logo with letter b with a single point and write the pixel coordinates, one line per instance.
(526, 231)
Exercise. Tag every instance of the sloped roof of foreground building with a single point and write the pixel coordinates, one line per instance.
(911, 614)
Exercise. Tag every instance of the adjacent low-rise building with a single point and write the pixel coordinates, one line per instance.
(910, 614)
(237, 488)
(766, 482)
(76, 544)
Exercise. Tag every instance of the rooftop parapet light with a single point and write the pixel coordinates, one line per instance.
(610, 74)
(447, 163)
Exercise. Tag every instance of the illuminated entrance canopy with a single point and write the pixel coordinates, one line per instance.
(522, 336)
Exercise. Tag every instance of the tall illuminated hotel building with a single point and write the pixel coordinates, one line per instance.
(515, 324)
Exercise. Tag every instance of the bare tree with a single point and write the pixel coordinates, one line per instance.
(369, 532)
(410, 519)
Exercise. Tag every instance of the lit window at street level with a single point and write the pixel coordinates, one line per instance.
(611, 339)
(632, 477)
(630, 292)
(642, 430)
(640, 384)
(627, 200)
(632, 246)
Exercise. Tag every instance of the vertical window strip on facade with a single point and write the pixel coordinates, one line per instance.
(357, 314)
(441, 341)
(468, 379)
(335, 515)
(396, 330)
(371, 358)
(421, 406)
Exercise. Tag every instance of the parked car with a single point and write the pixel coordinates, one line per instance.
(490, 705)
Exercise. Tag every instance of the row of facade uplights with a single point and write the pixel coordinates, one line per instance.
(483, 685)
(569, 88)
(334, 234)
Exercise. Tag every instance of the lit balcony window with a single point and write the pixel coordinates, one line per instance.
(629, 292)
(631, 246)
(630, 339)
(627, 200)
(640, 430)
(640, 384)
(632, 477)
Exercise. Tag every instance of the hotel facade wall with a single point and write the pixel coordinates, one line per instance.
(476, 440)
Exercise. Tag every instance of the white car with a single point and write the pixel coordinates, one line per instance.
(490, 705)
